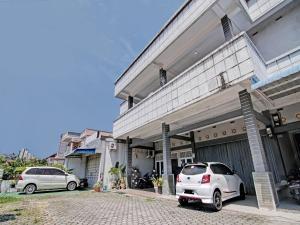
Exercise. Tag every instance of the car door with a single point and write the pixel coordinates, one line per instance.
(45, 178)
(59, 178)
(219, 178)
(230, 180)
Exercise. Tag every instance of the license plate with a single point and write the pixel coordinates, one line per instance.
(189, 192)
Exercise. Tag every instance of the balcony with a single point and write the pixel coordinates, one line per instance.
(236, 60)
(258, 8)
(181, 21)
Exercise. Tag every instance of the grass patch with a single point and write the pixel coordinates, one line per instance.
(149, 199)
(8, 199)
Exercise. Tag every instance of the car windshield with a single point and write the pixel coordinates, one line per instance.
(194, 169)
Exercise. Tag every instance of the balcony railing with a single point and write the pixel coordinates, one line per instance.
(258, 8)
(236, 60)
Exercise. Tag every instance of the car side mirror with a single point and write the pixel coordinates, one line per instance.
(66, 174)
(233, 172)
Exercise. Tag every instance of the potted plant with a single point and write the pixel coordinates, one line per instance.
(118, 177)
(98, 186)
(157, 183)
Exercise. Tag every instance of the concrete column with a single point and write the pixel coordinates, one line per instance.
(263, 180)
(163, 77)
(227, 27)
(168, 177)
(130, 102)
(129, 163)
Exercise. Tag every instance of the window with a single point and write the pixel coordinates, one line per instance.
(53, 172)
(221, 169)
(194, 169)
(34, 171)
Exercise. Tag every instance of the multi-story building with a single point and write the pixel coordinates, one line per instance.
(90, 154)
(219, 82)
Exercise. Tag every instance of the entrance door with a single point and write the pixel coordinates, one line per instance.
(92, 169)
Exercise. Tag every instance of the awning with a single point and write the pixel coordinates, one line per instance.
(81, 151)
(280, 84)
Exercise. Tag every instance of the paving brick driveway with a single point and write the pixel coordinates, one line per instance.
(115, 208)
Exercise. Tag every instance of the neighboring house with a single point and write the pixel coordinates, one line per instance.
(90, 154)
(25, 155)
(219, 82)
(55, 159)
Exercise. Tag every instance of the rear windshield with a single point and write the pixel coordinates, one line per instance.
(194, 169)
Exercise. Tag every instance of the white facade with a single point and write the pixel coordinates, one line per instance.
(92, 166)
(214, 53)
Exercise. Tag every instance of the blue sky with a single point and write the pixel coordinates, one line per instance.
(59, 60)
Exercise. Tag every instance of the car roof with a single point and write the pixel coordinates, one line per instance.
(42, 167)
(205, 163)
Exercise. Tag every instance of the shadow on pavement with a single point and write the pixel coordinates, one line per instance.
(55, 191)
(7, 217)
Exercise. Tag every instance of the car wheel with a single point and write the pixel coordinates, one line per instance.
(30, 189)
(242, 193)
(217, 201)
(183, 201)
(71, 186)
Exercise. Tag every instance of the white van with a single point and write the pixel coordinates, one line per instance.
(46, 178)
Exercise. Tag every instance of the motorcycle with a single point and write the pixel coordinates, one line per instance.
(294, 184)
(135, 176)
(145, 182)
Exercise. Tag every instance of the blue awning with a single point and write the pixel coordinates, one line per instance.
(82, 151)
(276, 76)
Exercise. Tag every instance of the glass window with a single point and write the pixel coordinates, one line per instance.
(194, 169)
(56, 172)
(53, 172)
(221, 169)
(33, 171)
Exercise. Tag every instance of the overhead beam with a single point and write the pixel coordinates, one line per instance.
(144, 142)
(180, 137)
(145, 147)
(287, 127)
(217, 119)
(262, 118)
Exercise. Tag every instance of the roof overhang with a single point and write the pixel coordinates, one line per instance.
(280, 84)
(79, 152)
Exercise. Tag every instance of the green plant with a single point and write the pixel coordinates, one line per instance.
(98, 184)
(157, 182)
(8, 199)
(14, 167)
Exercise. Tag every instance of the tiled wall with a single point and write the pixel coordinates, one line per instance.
(233, 59)
(285, 61)
(257, 8)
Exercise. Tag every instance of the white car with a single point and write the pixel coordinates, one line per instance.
(45, 178)
(211, 183)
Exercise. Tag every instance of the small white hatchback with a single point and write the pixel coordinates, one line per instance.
(45, 178)
(211, 183)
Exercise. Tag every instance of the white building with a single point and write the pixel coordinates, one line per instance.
(219, 82)
(91, 153)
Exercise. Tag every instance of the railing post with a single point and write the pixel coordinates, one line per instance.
(163, 77)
